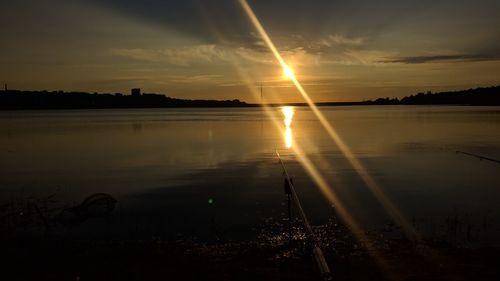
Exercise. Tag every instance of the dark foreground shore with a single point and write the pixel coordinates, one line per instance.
(267, 258)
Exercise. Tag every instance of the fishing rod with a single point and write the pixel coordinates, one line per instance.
(316, 250)
(478, 156)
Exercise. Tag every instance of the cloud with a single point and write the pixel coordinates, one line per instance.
(188, 56)
(342, 40)
(442, 58)
(184, 56)
(208, 78)
(332, 42)
(254, 56)
(355, 57)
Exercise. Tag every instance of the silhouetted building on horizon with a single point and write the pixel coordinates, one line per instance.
(135, 92)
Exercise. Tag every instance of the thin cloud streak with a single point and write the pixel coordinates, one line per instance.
(442, 58)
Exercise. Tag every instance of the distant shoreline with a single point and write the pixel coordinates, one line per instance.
(40, 100)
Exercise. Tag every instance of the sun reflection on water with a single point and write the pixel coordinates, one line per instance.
(288, 112)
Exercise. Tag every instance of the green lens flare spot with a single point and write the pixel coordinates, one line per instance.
(210, 201)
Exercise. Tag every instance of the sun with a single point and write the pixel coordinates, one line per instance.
(288, 72)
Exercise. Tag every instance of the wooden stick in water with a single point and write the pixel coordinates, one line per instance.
(479, 156)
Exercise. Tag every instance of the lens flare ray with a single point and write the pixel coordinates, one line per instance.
(386, 203)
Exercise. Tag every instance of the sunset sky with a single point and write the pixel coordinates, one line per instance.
(208, 49)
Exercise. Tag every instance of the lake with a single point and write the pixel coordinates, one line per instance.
(204, 173)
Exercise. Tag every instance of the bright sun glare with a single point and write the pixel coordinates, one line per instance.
(288, 72)
(288, 112)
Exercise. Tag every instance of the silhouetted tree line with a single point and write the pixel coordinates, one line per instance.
(478, 96)
(14, 99)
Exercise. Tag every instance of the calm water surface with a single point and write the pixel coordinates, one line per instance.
(204, 172)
